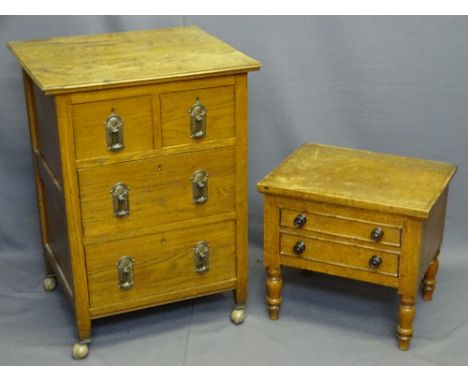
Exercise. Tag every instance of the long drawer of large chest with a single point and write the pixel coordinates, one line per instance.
(172, 265)
(129, 198)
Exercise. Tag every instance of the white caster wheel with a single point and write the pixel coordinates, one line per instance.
(80, 351)
(238, 316)
(49, 284)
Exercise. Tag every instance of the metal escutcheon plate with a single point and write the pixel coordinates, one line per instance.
(199, 187)
(197, 115)
(201, 252)
(121, 200)
(114, 132)
(125, 272)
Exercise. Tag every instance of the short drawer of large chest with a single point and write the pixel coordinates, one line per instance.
(112, 127)
(120, 126)
(147, 270)
(197, 116)
(126, 199)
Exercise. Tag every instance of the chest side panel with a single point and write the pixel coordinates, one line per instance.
(49, 182)
(47, 134)
(432, 233)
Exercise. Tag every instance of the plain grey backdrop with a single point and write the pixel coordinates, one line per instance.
(390, 84)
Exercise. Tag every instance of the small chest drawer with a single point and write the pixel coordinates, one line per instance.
(110, 127)
(124, 274)
(341, 254)
(125, 199)
(347, 227)
(197, 116)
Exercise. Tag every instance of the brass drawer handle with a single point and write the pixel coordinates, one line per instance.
(121, 200)
(197, 120)
(114, 132)
(201, 252)
(377, 234)
(299, 248)
(199, 187)
(300, 220)
(375, 262)
(125, 272)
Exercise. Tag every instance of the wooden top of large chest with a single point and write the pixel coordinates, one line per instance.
(87, 62)
(358, 178)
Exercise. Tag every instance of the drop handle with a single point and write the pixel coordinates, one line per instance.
(114, 132)
(299, 248)
(199, 187)
(201, 252)
(375, 262)
(121, 200)
(197, 120)
(125, 272)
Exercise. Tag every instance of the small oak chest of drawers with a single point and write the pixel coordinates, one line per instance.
(140, 153)
(367, 216)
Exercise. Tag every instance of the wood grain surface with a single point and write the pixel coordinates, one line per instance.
(160, 192)
(340, 254)
(376, 181)
(90, 131)
(175, 121)
(346, 227)
(95, 61)
(163, 264)
(74, 223)
(242, 190)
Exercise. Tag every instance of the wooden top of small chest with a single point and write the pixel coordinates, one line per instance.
(365, 179)
(97, 61)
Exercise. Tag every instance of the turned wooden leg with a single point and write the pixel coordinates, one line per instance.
(274, 285)
(429, 281)
(405, 327)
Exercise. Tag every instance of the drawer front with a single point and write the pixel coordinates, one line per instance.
(346, 227)
(98, 130)
(160, 266)
(197, 116)
(341, 254)
(159, 191)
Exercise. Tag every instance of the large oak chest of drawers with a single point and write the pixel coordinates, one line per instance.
(140, 154)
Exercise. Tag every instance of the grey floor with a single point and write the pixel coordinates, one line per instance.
(324, 321)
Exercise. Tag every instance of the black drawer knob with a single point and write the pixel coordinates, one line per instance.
(300, 220)
(299, 247)
(377, 234)
(375, 262)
